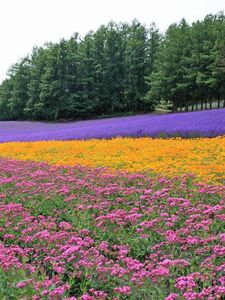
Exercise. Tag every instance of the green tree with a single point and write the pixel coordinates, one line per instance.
(217, 68)
(5, 95)
(136, 65)
(114, 69)
(34, 108)
(168, 80)
(20, 75)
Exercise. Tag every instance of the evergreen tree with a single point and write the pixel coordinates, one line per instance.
(5, 95)
(34, 108)
(217, 79)
(85, 97)
(136, 65)
(119, 68)
(114, 69)
(20, 76)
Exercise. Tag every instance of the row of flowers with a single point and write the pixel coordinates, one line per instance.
(207, 123)
(89, 233)
(203, 157)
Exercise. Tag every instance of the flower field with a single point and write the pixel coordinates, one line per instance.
(113, 219)
(202, 157)
(208, 123)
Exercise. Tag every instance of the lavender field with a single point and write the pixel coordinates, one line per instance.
(201, 123)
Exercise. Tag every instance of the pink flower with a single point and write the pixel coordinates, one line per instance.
(87, 297)
(125, 290)
(222, 237)
(65, 225)
(22, 284)
(9, 236)
(160, 271)
(185, 282)
(171, 297)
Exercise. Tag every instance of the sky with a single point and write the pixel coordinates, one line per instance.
(28, 23)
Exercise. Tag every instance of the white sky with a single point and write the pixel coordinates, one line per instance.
(26, 23)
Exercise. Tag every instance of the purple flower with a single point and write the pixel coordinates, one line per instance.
(206, 123)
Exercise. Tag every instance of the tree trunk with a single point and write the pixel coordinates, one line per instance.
(210, 103)
(112, 108)
(174, 108)
(196, 107)
(201, 104)
(206, 104)
(192, 106)
(218, 106)
(224, 103)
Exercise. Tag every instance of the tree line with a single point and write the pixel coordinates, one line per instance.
(190, 64)
(120, 68)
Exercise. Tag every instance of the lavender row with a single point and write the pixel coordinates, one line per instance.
(192, 124)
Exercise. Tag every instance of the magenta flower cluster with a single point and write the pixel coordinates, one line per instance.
(81, 233)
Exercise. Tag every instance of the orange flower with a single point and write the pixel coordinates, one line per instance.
(203, 157)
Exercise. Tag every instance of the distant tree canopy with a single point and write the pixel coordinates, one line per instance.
(120, 68)
(190, 64)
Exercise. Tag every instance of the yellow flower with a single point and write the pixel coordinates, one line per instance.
(203, 157)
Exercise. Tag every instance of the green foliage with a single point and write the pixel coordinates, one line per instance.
(20, 77)
(8, 285)
(101, 74)
(189, 67)
(120, 68)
